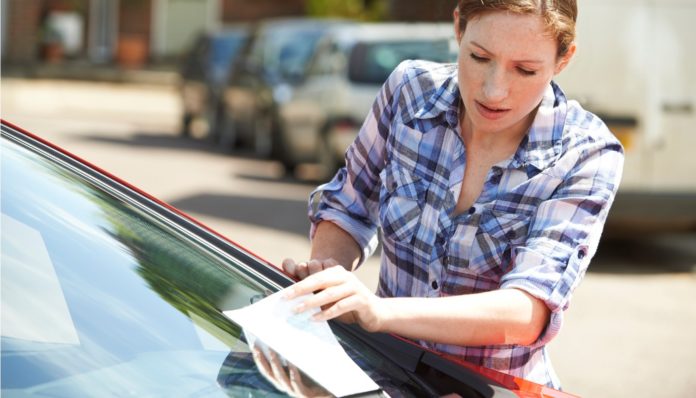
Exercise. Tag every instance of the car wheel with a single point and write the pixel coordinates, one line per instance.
(325, 156)
(280, 152)
(212, 117)
(186, 125)
(263, 136)
(227, 138)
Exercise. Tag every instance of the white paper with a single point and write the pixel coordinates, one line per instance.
(309, 345)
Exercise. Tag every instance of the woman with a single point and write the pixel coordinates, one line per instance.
(491, 190)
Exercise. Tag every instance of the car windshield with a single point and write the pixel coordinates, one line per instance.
(223, 49)
(103, 296)
(287, 51)
(371, 63)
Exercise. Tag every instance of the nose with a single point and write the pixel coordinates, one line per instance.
(495, 86)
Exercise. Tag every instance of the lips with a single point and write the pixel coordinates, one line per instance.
(491, 113)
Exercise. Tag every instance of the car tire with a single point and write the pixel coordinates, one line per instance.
(281, 153)
(227, 139)
(186, 125)
(325, 156)
(212, 117)
(262, 140)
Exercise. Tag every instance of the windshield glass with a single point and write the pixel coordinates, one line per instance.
(288, 50)
(371, 63)
(101, 297)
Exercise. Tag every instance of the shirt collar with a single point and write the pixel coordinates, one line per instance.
(542, 144)
(445, 99)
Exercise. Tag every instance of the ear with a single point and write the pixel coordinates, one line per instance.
(565, 60)
(455, 17)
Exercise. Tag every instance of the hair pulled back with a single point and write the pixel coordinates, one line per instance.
(560, 15)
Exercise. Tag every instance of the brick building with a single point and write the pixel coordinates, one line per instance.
(132, 32)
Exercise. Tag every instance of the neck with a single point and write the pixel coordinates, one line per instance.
(512, 135)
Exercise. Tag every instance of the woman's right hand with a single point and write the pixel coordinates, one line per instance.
(304, 269)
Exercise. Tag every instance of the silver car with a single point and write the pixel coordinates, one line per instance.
(323, 115)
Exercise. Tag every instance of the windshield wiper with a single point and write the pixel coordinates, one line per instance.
(436, 375)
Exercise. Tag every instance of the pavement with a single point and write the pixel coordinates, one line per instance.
(165, 74)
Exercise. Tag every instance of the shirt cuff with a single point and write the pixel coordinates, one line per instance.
(548, 280)
(366, 237)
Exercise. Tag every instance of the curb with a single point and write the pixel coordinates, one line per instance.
(85, 72)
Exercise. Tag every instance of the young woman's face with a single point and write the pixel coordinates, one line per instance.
(506, 61)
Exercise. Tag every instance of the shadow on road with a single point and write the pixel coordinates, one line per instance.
(165, 140)
(281, 214)
(284, 178)
(656, 254)
(156, 140)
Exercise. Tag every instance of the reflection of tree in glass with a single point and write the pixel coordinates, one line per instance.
(181, 275)
(188, 278)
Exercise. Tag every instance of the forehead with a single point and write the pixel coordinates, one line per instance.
(511, 32)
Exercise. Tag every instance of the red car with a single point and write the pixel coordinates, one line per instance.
(107, 291)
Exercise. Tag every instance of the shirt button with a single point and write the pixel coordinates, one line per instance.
(472, 210)
(434, 285)
(581, 254)
(495, 179)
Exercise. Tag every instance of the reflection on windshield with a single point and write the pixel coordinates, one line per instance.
(119, 286)
(39, 314)
(135, 305)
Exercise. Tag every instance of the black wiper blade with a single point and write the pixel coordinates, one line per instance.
(428, 369)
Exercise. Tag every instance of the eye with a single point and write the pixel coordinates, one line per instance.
(478, 58)
(526, 72)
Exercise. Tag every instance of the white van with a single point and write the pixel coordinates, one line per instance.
(636, 68)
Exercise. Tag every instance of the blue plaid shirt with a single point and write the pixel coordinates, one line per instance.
(535, 226)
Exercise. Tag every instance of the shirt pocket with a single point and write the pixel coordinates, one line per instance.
(497, 234)
(402, 197)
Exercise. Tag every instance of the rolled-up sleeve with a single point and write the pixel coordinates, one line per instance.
(351, 198)
(565, 230)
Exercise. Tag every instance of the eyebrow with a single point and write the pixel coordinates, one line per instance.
(521, 61)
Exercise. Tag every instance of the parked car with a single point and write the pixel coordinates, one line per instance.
(324, 113)
(107, 291)
(275, 63)
(205, 69)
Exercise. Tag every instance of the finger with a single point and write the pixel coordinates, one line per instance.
(341, 307)
(279, 371)
(289, 266)
(315, 266)
(264, 368)
(315, 282)
(305, 388)
(302, 270)
(296, 380)
(327, 296)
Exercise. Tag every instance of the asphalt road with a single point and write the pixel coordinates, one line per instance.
(631, 327)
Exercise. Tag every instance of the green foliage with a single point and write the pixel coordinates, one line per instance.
(365, 10)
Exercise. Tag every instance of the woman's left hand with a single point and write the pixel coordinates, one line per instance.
(340, 295)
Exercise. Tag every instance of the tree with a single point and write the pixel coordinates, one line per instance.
(367, 10)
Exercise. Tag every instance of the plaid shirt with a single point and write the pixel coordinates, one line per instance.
(535, 226)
